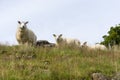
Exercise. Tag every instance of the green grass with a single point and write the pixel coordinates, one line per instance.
(64, 63)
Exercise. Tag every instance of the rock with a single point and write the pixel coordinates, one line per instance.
(98, 76)
(116, 76)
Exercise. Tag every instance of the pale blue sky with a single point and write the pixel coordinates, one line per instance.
(86, 20)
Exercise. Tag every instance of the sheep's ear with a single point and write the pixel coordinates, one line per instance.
(60, 35)
(19, 22)
(26, 22)
(85, 43)
(54, 35)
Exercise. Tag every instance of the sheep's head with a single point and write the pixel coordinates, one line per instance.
(84, 44)
(58, 38)
(22, 25)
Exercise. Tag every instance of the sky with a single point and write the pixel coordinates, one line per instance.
(86, 20)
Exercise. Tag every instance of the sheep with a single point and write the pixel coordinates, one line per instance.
(60, 41)
(98, 47)
(44, 43)
(25, 35)
(94, 47)
(84, 45)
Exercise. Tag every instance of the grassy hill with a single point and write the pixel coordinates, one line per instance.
(64, 63)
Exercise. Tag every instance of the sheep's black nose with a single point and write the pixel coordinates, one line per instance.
(23, 26)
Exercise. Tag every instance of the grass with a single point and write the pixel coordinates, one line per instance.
(63, 63)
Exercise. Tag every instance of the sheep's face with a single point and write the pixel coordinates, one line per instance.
(58, 38)
(22, 25)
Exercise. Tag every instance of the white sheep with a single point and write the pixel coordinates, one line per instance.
(66, 41)
(25, 35)
(94, 47)
(98, 46)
